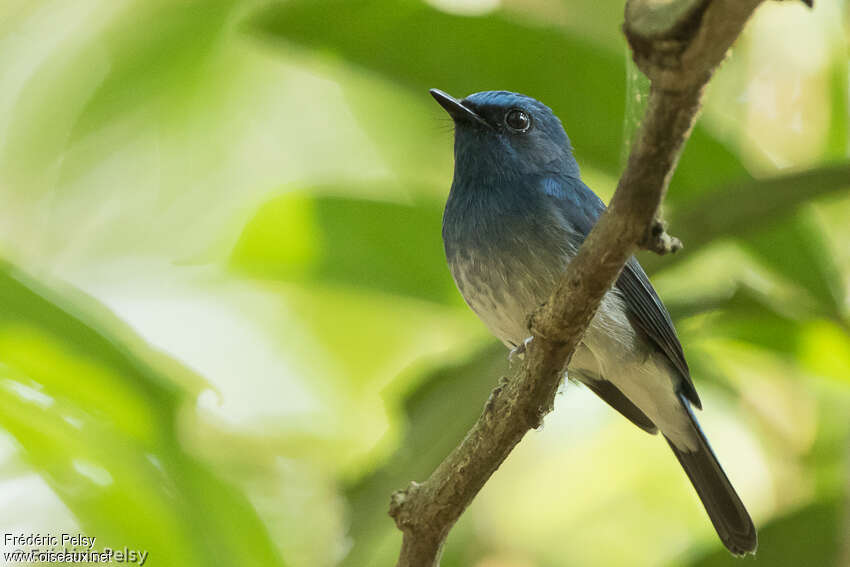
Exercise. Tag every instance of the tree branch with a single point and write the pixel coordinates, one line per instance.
(677, 44)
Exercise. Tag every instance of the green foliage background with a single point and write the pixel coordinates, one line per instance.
(227, 332)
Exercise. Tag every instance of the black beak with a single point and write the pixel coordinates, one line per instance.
(455, 108)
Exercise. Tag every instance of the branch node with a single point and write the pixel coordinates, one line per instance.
(534, 418)
(399, 503)
(489, 406)
(659, 241)
(531, 323)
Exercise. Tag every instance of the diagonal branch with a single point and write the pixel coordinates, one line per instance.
(677, 44)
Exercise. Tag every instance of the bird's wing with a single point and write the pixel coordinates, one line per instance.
(611, 395)
(644, 307)
(652, 318)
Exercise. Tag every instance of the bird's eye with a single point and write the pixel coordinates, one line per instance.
(518, 120)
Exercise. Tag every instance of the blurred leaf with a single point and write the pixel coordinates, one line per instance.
(410, 140)
(839, 125)
(821, 346)
(747, 316)
(582, 83)
(439, 412)
(705, 165)
(809, 536)
(587, 20)
(825, 349)
(387, 36)
(797, 251)
(383, 246)
(148, 50)
(742, 209)
(100, 425)
(164, 47)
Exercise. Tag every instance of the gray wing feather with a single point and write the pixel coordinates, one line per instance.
(651, 316)
(611, 395)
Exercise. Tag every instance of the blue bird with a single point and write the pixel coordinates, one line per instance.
(516, 215)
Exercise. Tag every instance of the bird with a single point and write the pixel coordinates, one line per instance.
(516, 214)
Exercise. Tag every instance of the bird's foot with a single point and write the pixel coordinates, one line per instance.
(519, 351)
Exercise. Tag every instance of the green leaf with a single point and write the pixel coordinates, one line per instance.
(100, 425)
(797, 251)
(742, 209)
(818, 345)
(825, 349)
(164, 48)
(151, 56)
(376, 245)
(419, 47)
(705, 165)
(838, 136)
(403, 129)
(748, 316)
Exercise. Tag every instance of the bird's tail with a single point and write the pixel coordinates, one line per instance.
(724, 507)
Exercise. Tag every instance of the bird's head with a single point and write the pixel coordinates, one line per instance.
(505, 134)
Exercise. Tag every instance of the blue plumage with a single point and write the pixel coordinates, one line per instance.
(516, 215)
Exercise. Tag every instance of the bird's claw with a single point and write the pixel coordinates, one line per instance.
(519, 351)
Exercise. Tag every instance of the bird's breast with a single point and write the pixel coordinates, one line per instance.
(505, 266)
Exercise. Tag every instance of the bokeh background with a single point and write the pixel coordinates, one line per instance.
(227, 332)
